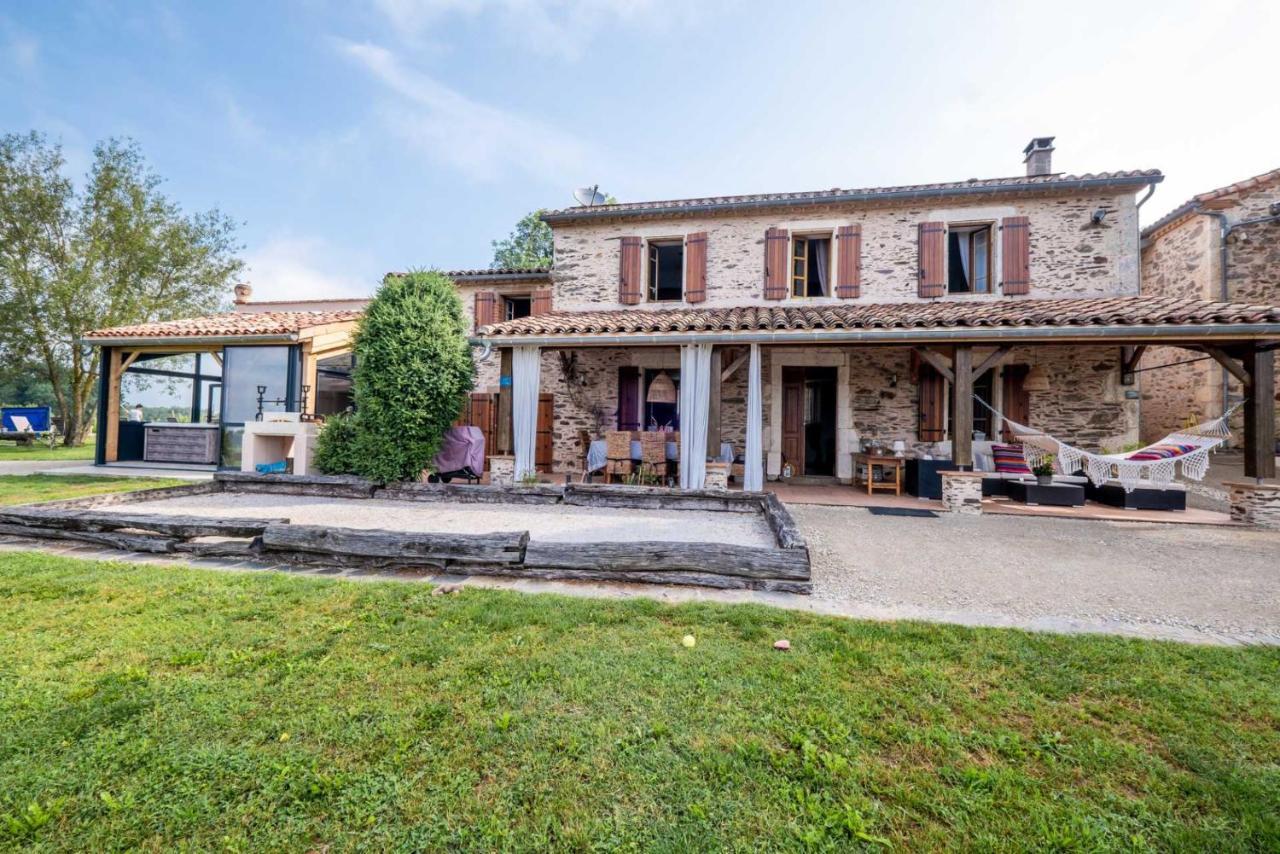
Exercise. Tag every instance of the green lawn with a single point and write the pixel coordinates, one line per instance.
(26, 488)
(160, 707)
(13, 452)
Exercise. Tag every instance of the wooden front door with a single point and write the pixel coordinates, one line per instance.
(793, 418)
(544, 450)
(1017, 400)
(629, 399)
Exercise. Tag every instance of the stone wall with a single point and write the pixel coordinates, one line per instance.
(1184, 260)
(1069, 255)
(1084, 404)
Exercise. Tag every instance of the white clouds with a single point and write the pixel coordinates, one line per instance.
(289, 267)
(550, 27)
(482, 141)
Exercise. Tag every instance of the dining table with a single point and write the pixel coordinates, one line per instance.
(597, 454)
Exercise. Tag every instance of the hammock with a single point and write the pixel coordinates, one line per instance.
(1156, 462)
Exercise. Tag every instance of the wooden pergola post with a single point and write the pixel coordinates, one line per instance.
(1259, 413)
(503, 442)
(962, 406)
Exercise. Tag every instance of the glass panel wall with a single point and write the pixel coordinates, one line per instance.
(244, 369)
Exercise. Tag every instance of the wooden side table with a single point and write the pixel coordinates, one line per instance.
(890, 464)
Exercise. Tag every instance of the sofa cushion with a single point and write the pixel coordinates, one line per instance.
(1161, 452)
(1009, 459)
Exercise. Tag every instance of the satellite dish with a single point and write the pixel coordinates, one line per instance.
(589, 196)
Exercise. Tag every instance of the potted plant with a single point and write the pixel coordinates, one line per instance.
(1043, 471)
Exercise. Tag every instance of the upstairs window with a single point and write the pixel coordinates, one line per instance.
(516, 306)
(666, 270)
(811, 266)
(969, 259)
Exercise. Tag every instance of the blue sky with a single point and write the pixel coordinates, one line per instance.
(355, 138)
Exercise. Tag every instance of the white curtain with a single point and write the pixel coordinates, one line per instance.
(526, 367)
(695, 408)
(753, 465)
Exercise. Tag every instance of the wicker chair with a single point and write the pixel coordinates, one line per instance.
(653, 456)
(617, 445)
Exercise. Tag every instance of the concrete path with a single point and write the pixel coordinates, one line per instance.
(90, 469)
(39, 466)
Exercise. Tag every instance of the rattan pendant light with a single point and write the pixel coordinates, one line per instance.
(661, 390)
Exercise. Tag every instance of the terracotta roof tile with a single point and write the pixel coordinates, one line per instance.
(1135, 177)
(966, 313)
(227, 325)
(1195, 203)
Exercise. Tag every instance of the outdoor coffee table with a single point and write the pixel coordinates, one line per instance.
(1053, 495)
(891, 466)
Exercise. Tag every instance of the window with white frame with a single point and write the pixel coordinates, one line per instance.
(666, 270)
(969, 259)
(811, 265)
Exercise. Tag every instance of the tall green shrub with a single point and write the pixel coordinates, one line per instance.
(413, 370)
(336, 445)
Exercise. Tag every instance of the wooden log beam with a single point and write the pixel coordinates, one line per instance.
(328, 486)
(656, 498)
(466, 493)
(401, 547)
(111, 539)
(695, 579)
(666, 557)
(937, 361)
(991, 361)
(784, 527)
(1237, 370)
(962, 407)
(177, 526)
(247, 549)
(714, 405)
(1260, 414)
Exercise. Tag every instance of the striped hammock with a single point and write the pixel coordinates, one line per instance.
(1156, 463)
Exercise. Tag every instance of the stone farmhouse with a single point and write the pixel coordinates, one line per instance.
(794, 328)
(1221, 245)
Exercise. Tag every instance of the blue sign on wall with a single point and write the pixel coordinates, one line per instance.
(505, 382)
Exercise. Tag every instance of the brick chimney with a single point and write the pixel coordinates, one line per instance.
(243, 292)
(1039, 156)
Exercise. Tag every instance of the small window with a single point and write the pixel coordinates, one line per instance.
(514, 307)
(811, 266)
(969, 259)
(666, 271)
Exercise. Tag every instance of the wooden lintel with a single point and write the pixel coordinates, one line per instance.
(994, 359)
(938, 362)
(1233, 367)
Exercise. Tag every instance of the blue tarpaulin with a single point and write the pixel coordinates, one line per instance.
(39, 417)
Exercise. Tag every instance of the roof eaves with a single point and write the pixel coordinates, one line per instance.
(1134, 179)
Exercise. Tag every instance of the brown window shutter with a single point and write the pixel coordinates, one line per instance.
(849, 263)
(777, 263)
(486, 308)
(932, 405)
(933, 259)
(695, 267)
(629, 290)
(1015, 251)
(541, 302)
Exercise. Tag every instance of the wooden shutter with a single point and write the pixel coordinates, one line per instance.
(1015, 251)
(629, 398)
(933, 259)
(695, 267)
(486, 308)
(777, 263)
(482, 411)
(629, 266)
(541, 302)
(849, 261)
(544, 448)
(932, 405)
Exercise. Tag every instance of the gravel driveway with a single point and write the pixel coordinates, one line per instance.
(1187, 582)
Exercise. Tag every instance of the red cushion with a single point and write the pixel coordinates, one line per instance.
(1009, 459)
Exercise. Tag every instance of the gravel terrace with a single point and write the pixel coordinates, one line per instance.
(549, 523)
(1164, 580)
